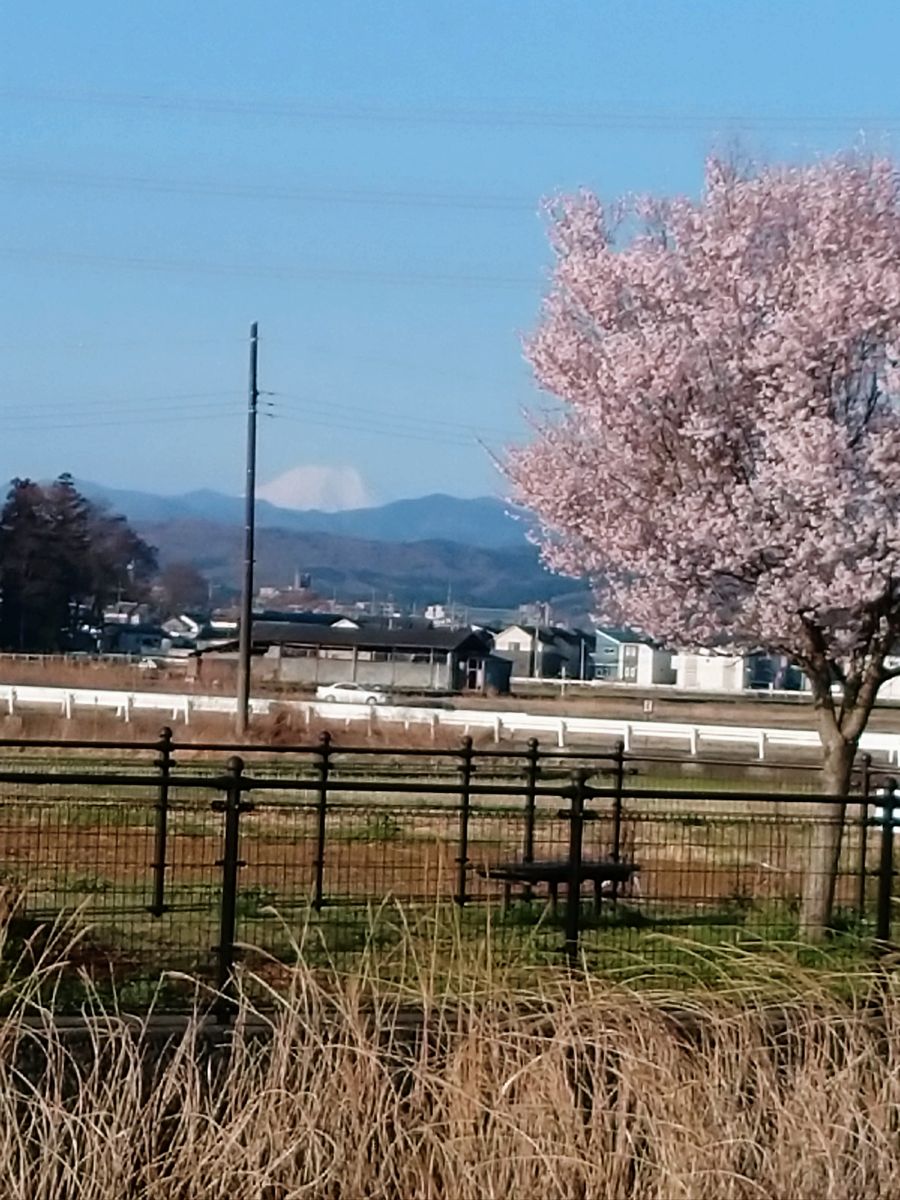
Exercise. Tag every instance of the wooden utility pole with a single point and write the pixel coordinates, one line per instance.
(245, 643)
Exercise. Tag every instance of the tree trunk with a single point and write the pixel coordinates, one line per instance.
(825, 834)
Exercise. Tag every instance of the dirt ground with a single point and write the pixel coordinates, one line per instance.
(368, 860)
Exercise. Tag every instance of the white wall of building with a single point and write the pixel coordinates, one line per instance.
(710, 672)
(512, 640)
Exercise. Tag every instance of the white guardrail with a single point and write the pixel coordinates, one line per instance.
(179, 706)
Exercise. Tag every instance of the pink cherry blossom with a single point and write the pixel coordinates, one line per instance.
(726, 467)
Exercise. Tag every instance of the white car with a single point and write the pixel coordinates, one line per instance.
(351, 693)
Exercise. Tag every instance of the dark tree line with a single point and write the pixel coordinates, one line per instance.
(63, 559)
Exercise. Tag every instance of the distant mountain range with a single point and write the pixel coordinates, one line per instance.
(419, 572)
(413, 550)
(484, 521)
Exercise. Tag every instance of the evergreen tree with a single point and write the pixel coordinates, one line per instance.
(62, 559)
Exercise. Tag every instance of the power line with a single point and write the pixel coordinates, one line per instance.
(105, 343)
(80, 413)
(508, 117)
(116, 402)
(75, 413)
(268, 192)
(115, 409)
(51, 424)
(368, 430)
(392, 416)
(400, 278)
(380, 429)
(318, 417)
(103, 420)
(120, 422)
(325, 415)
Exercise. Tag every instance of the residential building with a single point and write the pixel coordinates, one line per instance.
(773, 672)
(185, 625)
(140, 640)
(198, 630)
(625, 656)
(127, 612)
(546, 652)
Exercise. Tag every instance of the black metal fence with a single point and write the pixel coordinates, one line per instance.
(174, 860)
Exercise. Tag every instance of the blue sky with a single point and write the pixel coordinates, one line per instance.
(364, 180)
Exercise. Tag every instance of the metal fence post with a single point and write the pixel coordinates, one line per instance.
(232, 806)
(576, 815)
(532, 768)
(886, 863)
(324, 766)
(865, 784)
(164, 764)
(465, 800)
(619, 785)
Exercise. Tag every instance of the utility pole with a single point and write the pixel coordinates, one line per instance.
(245, 643)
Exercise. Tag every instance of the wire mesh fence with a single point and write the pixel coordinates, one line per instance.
(170, 861)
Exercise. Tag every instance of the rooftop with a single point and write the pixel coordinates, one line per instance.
(624, 635)
(297, 634)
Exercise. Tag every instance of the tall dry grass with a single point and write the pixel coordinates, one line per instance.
(282, 727)
(347, 1088)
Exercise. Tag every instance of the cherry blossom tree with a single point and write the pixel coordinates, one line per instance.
(725, 464)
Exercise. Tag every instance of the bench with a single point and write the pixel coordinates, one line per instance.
(553, 872)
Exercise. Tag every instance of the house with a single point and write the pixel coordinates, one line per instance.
(625, 656)
(708, 670)
(545, 651)
(419, 659)
(214, 633)
(138, 640)
(574, 648)
(530, 650)
(773, 672)
(185, 625)
(198, 631)
(126, 612)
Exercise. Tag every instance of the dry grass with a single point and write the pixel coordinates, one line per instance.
(87, 672)
(348, 1088)
(280, 728)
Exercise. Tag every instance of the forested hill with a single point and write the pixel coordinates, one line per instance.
(415, 571)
